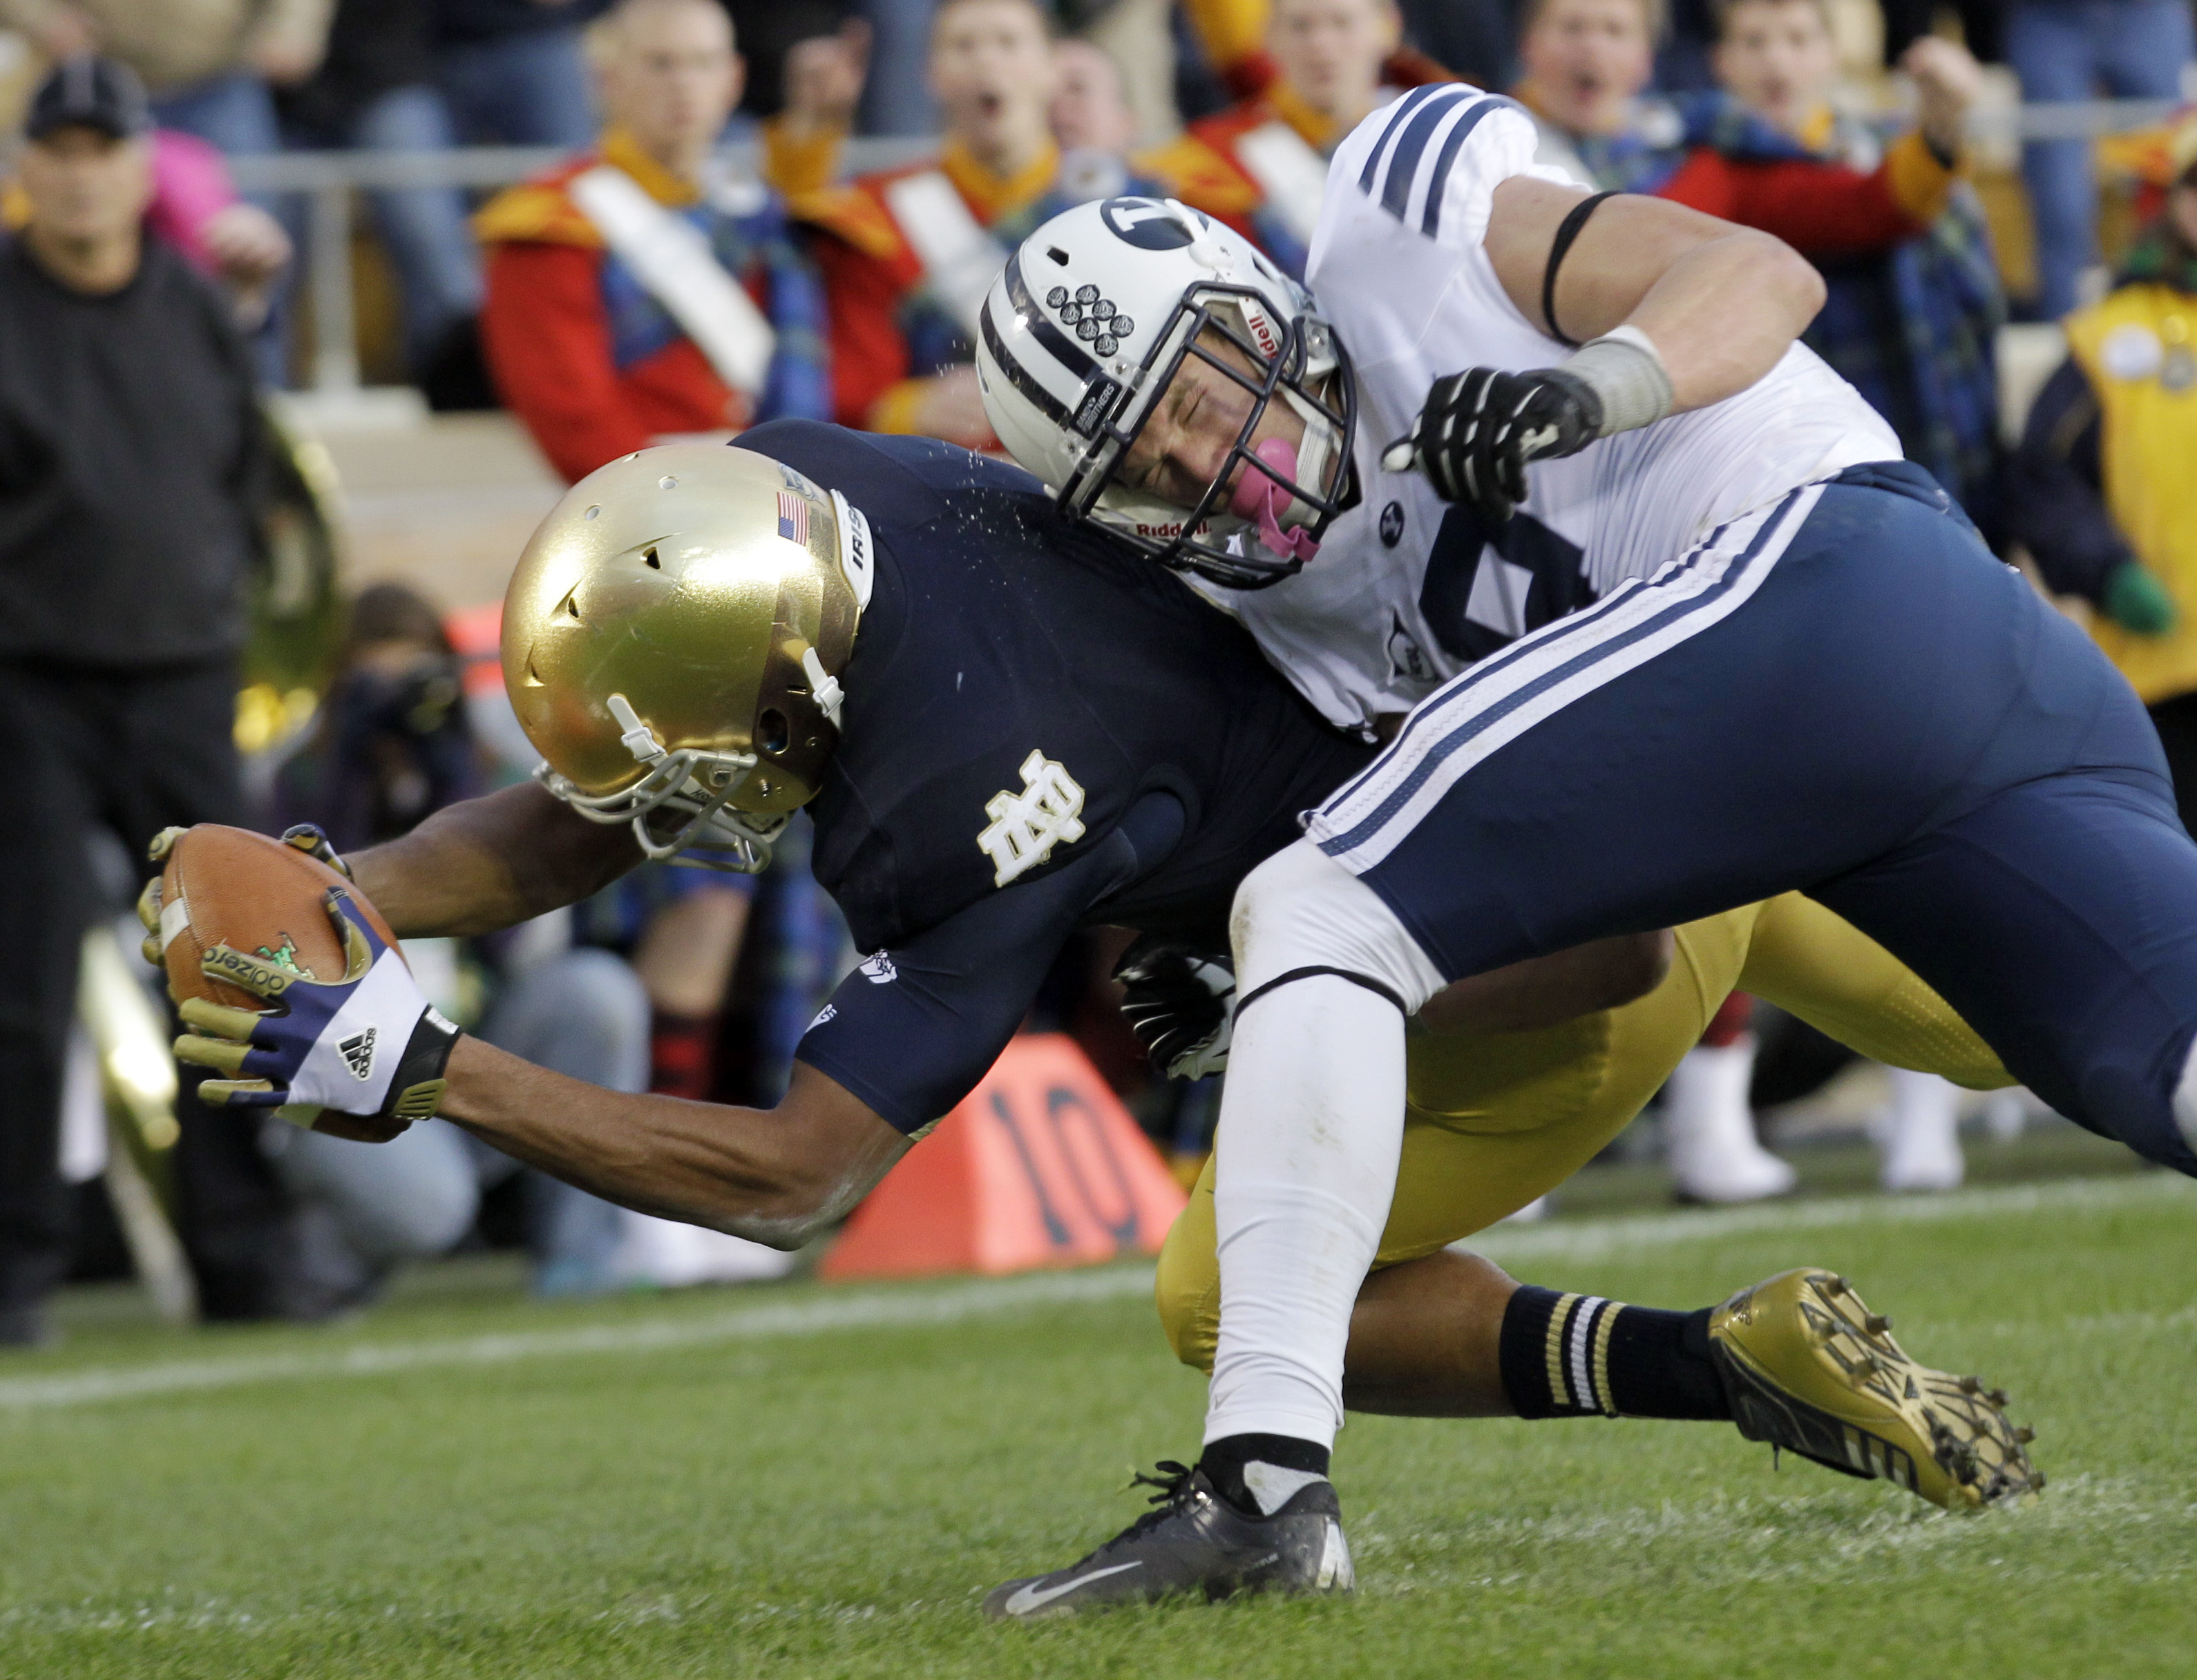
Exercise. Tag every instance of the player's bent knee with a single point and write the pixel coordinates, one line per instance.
(1300, 910)
(1186, 1289)
(1190, 1318)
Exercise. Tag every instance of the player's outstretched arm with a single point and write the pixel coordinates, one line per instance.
(775, 1176)
(491, 863)
(1721, 302)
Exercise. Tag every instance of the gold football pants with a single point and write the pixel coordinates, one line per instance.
(1495, 1120)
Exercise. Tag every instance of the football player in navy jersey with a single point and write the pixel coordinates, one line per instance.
(1005, 729)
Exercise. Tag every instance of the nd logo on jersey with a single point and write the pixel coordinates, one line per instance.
(1026, 827)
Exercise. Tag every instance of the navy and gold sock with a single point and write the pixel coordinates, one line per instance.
(1581, 1356)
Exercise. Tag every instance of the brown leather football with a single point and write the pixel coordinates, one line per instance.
(229, 886)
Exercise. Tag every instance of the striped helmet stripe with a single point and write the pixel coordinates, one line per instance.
(1019, 376)
(1056, 344)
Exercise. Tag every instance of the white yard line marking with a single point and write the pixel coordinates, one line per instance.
(964, 1300)
(1592, 1239)
(871, 1309)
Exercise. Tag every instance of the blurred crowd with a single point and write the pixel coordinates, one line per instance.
(706, 257)
(1230, 104)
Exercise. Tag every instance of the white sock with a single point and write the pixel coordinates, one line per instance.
(1312, 1124)
(1304, 1168)
(1714, 1152)
(1922, 1145)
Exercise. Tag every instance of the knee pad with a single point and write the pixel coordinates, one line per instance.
(1300, 910)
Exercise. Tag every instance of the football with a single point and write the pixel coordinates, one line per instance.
(229, 886)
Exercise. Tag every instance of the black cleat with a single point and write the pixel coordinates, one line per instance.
(1194, 1544)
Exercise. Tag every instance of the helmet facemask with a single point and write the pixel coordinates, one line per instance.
(1262, 514)
(695, 788)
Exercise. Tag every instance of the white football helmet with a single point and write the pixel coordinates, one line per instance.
(1083, 330)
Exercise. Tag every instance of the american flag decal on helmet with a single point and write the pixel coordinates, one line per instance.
(793, 517)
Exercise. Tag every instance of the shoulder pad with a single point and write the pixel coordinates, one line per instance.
(541, 211)
(855, 214)
(1220, 130)
(1202, 175)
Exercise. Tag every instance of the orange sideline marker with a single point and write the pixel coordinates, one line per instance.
(1040, 1166)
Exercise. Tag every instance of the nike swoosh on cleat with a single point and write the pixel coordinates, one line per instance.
(1034, 1597)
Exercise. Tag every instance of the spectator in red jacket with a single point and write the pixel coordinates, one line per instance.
(1913, 299)
(587, 349)
(1777, 60)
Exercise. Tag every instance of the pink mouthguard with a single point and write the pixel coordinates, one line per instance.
(1260, 499)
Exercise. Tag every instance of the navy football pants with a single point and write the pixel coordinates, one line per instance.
(1846, 696)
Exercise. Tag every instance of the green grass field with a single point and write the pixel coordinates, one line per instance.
(822, 1481)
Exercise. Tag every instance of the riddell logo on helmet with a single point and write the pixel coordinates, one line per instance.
(1172, 530)
(1262, 330)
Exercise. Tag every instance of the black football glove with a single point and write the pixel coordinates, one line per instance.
(1479, 429)
(1181, 1004)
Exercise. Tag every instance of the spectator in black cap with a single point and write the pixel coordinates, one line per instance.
(131, 459)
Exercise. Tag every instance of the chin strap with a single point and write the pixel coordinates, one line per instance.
(638, 738)
(823, 686)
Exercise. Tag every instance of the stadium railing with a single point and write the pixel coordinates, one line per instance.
(330, 180)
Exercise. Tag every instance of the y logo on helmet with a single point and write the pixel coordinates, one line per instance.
(1146, 223)
(879, 970)
(1026, 827)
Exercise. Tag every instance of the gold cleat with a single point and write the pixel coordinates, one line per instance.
(1811, 1370)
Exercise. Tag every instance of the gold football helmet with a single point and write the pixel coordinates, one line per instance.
(672, 641)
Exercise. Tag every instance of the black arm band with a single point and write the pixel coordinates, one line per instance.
(1566, 231)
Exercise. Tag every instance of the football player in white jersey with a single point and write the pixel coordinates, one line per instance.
(1676, 631)
(1408, 280)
